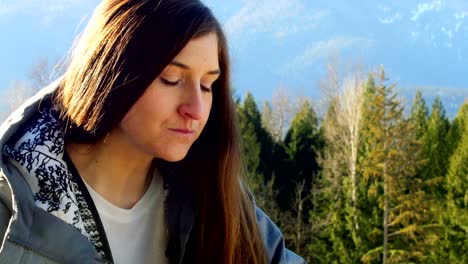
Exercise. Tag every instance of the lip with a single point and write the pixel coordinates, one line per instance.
(183, 131)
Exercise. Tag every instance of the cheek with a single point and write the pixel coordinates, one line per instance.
(129, 127)
(144, 109)
(132, 116)
(135, 121)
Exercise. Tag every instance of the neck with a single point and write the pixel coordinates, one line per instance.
(113, 168)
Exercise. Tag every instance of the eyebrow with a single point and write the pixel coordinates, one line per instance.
(186, 67)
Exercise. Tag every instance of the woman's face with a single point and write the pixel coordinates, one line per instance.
(172, 112)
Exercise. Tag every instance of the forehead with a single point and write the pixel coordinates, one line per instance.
(200, 52)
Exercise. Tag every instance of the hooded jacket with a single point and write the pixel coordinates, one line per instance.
(46, 213)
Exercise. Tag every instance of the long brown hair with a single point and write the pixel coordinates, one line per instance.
(125, 46)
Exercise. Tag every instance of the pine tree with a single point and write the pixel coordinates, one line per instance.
(432, 186)
(436, 147)
(369, 210)
(263, 136)
(457, 127)
(390, 168)
(303, 142)
(456, 216)
(257, 152)
(381, 125)
(300, 148)
(248, 116)
(419, 115)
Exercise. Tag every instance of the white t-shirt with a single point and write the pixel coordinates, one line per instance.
(136, 235)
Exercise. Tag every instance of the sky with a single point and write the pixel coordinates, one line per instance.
(287, 43)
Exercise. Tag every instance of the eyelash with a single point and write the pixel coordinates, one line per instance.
(205, 89)
(169, 83)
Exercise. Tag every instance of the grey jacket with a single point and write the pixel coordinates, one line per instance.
(56, 227)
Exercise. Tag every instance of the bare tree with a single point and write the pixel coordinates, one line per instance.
(349, 115)
(266, 199)
(267, 118)
(342, 125)
(331, 83)
(344, 121)
(19, 91)
(299, 201)
(40, 74)
(277, 115)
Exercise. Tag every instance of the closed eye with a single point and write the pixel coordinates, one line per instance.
(205, 89)
(167, 82)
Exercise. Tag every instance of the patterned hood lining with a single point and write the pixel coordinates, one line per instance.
(39, 155)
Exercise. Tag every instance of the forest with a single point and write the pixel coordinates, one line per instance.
(368, 181)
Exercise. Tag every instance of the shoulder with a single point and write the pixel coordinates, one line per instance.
(5, 194)
(272, 238)
(5, 206)
(274, 241)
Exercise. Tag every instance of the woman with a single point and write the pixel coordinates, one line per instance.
(133, 155)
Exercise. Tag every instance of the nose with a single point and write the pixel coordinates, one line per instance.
(192, 106)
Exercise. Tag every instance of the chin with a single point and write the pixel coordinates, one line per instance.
(174, 157)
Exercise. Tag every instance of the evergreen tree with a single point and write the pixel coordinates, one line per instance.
(303, 141)
(299, 150)
(457, 199)
(263, 136)
(432, 186)
(257, 153)
(457, 127)
(248, 117)
(369, 210)
(436, 148)
(419, 115)
(390, 169)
